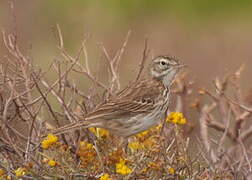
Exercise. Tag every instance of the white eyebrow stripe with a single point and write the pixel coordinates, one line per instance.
(168, 60)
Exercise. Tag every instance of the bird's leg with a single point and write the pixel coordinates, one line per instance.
(124, 144)
(94, 139)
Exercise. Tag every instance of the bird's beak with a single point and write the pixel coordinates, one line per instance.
(181, 66)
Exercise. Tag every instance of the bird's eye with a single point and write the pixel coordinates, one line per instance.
(162, 63)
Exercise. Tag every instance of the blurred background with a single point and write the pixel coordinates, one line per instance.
(212, 37)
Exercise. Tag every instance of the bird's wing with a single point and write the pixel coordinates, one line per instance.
(138, 98)
(135, 99)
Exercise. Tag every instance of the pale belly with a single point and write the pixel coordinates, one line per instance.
(136, 124)
(139, 123)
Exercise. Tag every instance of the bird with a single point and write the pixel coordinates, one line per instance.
(136, 108)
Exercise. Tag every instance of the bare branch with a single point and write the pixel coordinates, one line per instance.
(60, 38)
(144, 58)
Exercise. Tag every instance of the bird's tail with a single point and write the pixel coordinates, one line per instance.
(71, 127)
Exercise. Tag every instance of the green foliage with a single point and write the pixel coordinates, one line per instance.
(182, 8)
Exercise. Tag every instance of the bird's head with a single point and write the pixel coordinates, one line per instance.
(165, 68)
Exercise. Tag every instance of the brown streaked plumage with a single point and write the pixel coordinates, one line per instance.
(136, 108)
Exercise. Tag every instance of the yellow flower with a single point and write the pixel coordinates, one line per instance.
(158, 127)
(52, 163)
(176, 118)
(121, 168)
(135, 145)
(87, 153)
(20, 172)
(49, 141)
(86, 145)
(105, 177)
(171, 170)
(2, 172)
(144, 170)
(154, 165)
(99, 132)
(150, 143)
(143, 134)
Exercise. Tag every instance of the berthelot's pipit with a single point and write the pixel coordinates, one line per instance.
(136, 108)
